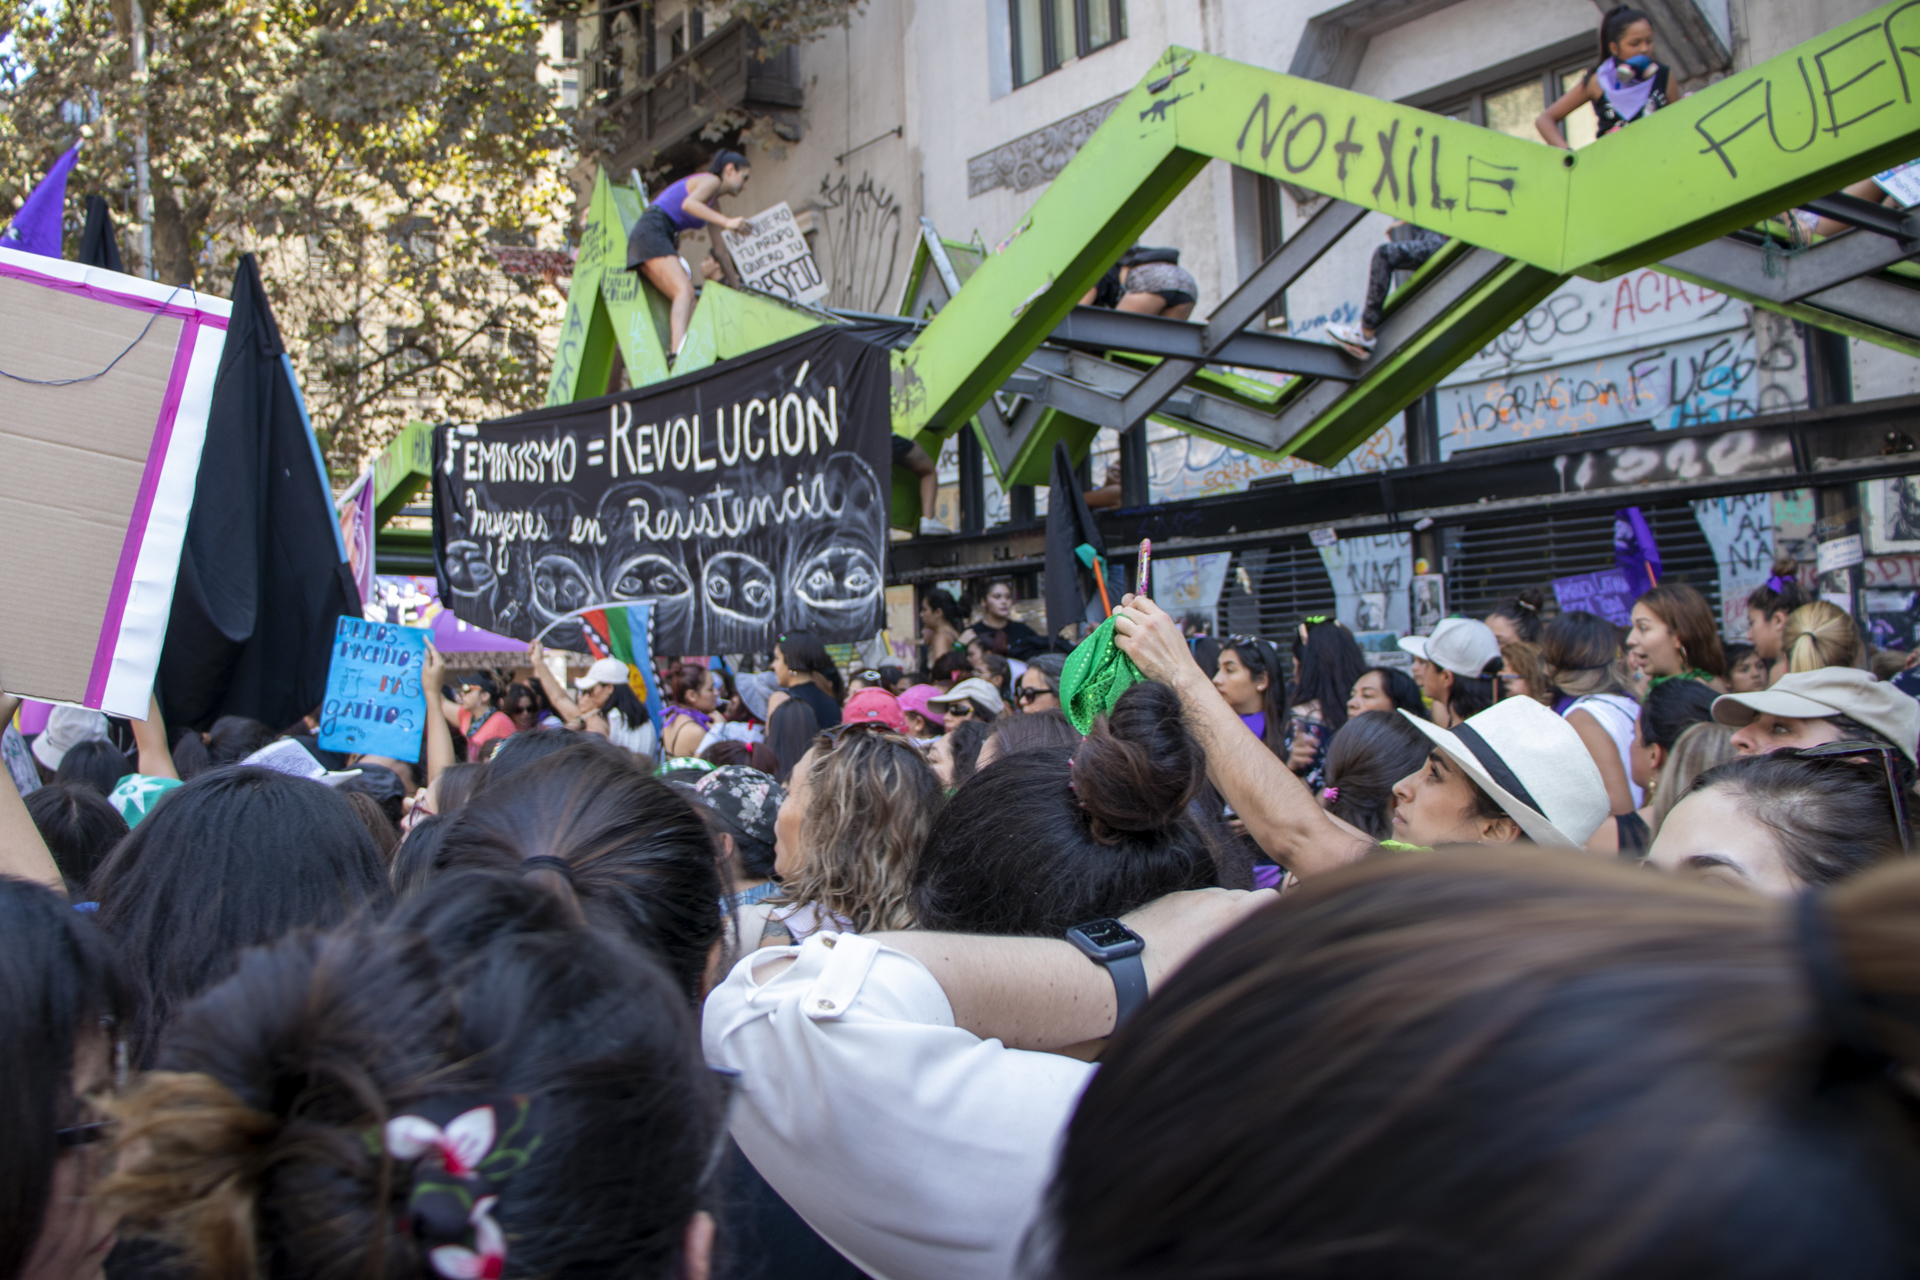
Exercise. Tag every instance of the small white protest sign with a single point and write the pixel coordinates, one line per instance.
(774, 258)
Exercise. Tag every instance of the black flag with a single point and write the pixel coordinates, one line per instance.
(262, 577)
(1069, 523)
(98, 248)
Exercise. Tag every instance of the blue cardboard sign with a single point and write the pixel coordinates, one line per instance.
(1607, 593)
(374, 704)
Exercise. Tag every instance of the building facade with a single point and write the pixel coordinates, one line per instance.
(956, 115)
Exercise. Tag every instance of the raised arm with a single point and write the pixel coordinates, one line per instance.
(1281, 814)
(23, 854)
(433, 674)
(150, 739)
(563, 706)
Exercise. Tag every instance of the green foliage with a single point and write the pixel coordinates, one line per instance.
(370, 152)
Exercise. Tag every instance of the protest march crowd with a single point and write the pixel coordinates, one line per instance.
(1579, 949)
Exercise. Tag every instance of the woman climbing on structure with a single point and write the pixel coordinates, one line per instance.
(653, 247)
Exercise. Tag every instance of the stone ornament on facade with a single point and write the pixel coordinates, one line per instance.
(1037, 157)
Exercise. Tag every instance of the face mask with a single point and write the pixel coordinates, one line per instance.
(1637, 64)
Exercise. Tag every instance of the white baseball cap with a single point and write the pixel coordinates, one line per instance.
(1827, 692)
(1534, 766)
(1463, 646)
(972, 687)
(605, 671)
(67, 728)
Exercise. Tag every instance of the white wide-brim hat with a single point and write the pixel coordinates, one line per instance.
(1533, 764)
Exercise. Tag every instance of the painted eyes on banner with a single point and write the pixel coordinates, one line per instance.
(560, 586)
(467, 569)
(841, 577)
(650, 576)
(739, 587)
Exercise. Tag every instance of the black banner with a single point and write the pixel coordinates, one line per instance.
(745, 500)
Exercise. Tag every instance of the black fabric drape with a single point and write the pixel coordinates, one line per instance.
(1069, 523)
(98, 247)
(261, 578)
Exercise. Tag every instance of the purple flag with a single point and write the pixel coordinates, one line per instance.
(1635, 552)
(36, 227)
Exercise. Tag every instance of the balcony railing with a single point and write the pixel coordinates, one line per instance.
(666, 112)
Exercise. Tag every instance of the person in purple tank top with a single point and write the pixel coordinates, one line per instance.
(653, 247)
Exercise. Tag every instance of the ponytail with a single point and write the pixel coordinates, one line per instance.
(1613, 26)
(725, 158)
(1817, 635)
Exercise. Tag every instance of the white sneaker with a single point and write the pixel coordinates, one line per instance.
(1349, 338)
(931, 528)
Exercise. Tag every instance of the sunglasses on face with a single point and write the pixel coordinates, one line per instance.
(963, 710)
(1027, 693)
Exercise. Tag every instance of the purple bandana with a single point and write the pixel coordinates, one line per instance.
(1627, 101)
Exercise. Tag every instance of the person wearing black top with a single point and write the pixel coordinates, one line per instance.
(798, 657)
(996, 628)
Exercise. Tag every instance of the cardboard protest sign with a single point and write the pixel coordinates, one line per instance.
(99, 454)
(374, 703)
(775, 258)
(1606, 593)
(745, 500)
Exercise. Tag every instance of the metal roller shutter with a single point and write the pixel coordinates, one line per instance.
(1488, 562)
(1289, 582)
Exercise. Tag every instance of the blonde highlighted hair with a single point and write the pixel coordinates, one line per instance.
(1698, 749)
(1820, 635)
(872, 802)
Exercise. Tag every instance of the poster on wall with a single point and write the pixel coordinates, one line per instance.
(1429, 602)
(745, 500)
(1892, 522)
(773, 257)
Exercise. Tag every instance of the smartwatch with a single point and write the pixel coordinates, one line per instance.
(1115, 947)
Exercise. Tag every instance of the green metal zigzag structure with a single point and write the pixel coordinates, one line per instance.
(1523, 218)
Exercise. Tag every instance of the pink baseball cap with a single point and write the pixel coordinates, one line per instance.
(877, 705)
(915, 700)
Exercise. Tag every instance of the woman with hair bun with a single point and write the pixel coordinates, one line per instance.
(481, 1086)
(1819, 634)
(1518, 616)
(1767, 608)
(1038, 842)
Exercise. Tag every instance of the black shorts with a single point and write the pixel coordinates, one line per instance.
(902, 446)
(654, 236)
(1177, 298)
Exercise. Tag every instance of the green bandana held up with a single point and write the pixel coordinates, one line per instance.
(1095, 676)
(1704, 677)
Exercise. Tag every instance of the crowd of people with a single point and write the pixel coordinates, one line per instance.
(1551, 946)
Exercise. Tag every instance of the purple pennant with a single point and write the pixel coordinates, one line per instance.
(36, 227)
(1635, 552)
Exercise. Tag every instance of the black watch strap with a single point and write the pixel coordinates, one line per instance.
(1129, 976)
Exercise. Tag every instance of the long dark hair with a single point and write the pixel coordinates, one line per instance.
(1299, 1096)
(1672, 706)
(94, 763)
(63, 981)
(1043, 840)
(791, 729)
(1262, 658)
(1402, 689)
(947, 607)
(1325, 666)
(233, 859)
(721, 159)
(1582, 653)
(1369, 754)
(638, 856)
(1473, 694)
(806, 653)
(257, 1151)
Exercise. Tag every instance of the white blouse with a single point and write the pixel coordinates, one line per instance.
(917, 1149)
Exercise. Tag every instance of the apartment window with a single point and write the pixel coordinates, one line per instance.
(1512, 105)
(1047, 34)
(1267, 195)
(569, 37)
